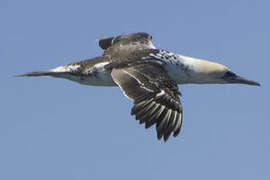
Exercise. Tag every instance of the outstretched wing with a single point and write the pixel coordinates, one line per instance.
(155, 95)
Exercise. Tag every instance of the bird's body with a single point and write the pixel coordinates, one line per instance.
(147, 75)
(93, 72)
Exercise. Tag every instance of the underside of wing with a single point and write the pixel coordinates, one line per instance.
(155, 95)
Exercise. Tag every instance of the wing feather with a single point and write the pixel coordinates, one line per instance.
(155, 97)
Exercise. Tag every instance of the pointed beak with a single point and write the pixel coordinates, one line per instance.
(241, 80)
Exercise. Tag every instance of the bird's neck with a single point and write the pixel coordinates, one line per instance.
(185, 70)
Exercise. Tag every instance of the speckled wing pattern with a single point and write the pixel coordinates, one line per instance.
(155, 95)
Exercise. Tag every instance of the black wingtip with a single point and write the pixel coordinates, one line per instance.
(159, 135)
(176, 132)
(105, 43)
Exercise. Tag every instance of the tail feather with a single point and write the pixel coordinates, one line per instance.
(35, 74)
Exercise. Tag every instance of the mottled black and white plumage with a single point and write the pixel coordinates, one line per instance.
(146, 75)
(155, 97)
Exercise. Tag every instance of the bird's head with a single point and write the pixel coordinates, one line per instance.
(215, 73)
(229, 77)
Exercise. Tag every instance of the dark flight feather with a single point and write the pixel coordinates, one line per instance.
(155, 97)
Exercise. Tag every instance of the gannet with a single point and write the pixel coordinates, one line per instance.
(148, 76)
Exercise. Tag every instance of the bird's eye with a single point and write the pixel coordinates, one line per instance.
(151, 37)
(229, 74)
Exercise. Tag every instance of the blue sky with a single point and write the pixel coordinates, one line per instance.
(57, 129)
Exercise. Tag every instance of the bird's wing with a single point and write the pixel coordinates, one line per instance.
(143, 41)
(155, 95)
(105, 43)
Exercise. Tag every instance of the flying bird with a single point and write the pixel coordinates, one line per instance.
(148, 76)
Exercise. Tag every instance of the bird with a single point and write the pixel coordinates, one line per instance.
(146, 75)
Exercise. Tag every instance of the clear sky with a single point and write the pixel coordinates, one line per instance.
(53, 129)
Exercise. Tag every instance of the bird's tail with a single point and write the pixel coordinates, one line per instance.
(35, 74)
(55, 72)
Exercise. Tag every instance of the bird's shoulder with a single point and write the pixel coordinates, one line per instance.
(119, 59)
